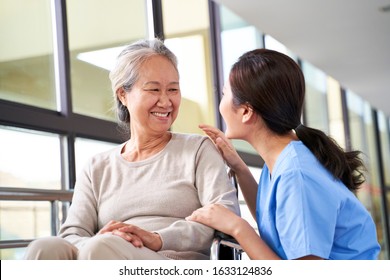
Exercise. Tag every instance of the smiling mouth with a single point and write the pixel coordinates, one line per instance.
(163, 115)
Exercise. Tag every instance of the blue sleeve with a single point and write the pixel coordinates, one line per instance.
(305, 216)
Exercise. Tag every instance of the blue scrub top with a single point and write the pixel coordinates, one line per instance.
(303, 210)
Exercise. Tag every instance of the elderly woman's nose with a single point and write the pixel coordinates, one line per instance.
(164, 99)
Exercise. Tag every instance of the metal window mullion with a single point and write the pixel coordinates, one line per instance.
(155, 19)
(54, 217)
(71, 160)
(61, 57)
(67, 150)
(12, 244)
(216, 56)
(63, 88)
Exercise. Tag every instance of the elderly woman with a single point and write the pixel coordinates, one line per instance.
(131, 202)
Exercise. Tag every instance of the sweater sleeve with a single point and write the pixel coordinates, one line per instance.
(213, 186)
(81, 222)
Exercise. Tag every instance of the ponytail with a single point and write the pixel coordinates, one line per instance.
(346, 166)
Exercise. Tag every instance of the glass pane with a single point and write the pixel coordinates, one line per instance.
(86, 148)
(384, 134)
(29, 159)
(97, 30)
(233, 27)
(12, 254)
(385, 249)
(316, 113)
(26, 53)
(336, 122)
(186, 29)
(25, 219)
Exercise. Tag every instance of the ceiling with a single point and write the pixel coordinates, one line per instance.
(347, 39)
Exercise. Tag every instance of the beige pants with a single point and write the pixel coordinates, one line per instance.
(99, 247)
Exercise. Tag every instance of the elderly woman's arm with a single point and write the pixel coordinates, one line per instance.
(213, 186)
(81, 222)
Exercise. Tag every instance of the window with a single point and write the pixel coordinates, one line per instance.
(335, 111)
(186, 30)
(97, 32)
(233, 27)
(31, 162)
(86, 148)
(24, 220)
(362, 130)
(29, 159)
(384, 135)
(26, 53)
(40, 148)
(316, 103)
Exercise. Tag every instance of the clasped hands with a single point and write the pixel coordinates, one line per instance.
(133, 234)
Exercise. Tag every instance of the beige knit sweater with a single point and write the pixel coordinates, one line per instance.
(155, 194)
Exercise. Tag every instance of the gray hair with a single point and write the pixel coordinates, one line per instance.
(126, 71)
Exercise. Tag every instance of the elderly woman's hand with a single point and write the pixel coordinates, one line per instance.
(137, 236)
(149, 239)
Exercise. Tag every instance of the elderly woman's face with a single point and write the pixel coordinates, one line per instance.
(154, 100)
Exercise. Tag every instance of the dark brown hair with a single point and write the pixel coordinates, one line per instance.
(274, 86)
